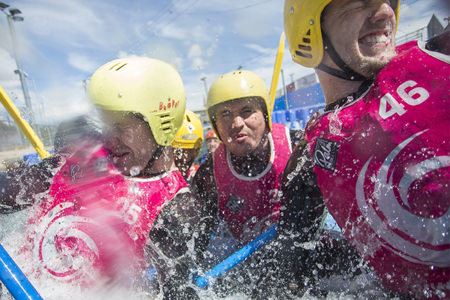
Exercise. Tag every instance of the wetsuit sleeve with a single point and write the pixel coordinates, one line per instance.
(168, 247)
(301, 214)
(20, 187)
(204, 189)
(296, 136)
(302, 203)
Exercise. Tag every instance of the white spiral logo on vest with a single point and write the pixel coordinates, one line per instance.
(426, 234)
(59, 262)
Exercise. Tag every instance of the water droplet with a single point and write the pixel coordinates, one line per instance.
(135, 170)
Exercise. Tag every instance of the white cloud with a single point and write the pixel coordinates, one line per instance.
(63, 102)
(195, 55)
(259, 21)
(75, 24)
(259, 49)
(81, 62)
(171, 31)
(195, 51)
(161, 51)
(185, 33)
(198, 63)
(8, 66)
(9, 81)
(122, 54)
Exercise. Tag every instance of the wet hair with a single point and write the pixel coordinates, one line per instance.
(73, 131)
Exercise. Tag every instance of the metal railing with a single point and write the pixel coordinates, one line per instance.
(419, 34)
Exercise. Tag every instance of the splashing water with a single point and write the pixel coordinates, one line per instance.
(12, 238)
(335, 124)
(11, 235)
(135, 171)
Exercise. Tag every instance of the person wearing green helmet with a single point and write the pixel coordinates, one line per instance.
(113, 208)
(376, 157)
(238, 182)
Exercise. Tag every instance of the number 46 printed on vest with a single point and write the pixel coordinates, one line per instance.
(409, 92)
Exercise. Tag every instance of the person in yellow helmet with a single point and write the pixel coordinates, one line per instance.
(376, 157)
(238, 183)
(187, 144)
(111, 209)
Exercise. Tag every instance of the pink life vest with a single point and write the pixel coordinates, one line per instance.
(383, 166)
(95, 223)
(249, 205)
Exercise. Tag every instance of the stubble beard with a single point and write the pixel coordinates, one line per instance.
(370, 66)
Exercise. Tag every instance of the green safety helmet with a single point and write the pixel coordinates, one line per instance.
(142, 85)
(235, 85)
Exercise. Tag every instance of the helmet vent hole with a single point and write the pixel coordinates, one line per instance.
(304, 47)
(303, 54)
(308, 32)
(120, 67)
(117, 66)
(166, 123)
(113, 66)
(307, 40)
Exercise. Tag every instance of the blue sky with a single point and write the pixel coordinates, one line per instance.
(62, 42)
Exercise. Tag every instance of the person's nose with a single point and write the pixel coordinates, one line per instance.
(238, 122)
(382, 12)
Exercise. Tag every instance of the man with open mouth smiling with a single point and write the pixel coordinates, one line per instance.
(377, 157)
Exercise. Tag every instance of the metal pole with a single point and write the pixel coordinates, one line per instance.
(293, 81)
(284, 90)
(15, 281)
(205, 85)
(26, 94)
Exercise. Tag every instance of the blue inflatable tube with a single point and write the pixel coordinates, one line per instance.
(236, 258)
(14, 280)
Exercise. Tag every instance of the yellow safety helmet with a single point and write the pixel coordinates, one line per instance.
(303, 29)
(142, 85)
(235, 85)
(190, 134)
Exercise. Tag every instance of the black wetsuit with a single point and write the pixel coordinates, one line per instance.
(304, 252)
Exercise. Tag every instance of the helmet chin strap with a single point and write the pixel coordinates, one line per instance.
(156, 154)
(345, 71)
